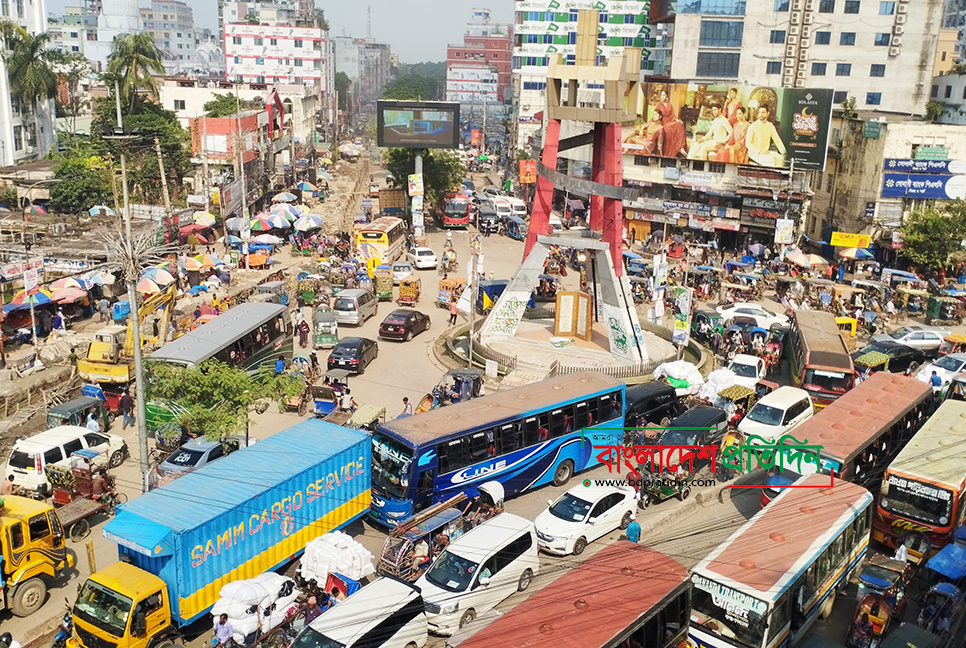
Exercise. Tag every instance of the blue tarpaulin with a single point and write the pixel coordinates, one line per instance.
(950, 561)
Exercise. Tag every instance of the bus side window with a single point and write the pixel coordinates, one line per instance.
(458, 453)
(556, 422)
(605, 408)
(507, 438)
(779, 616)
(582, 415)
(478, 445)
(650, 633)
(675, 617)
(531, 431)
(617, 404)
(838, 553)
(850, 537)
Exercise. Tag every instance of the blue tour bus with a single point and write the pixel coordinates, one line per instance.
(523, 438)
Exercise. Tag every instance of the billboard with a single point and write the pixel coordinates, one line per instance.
(752, 125)
(924, 186)
(418, 124)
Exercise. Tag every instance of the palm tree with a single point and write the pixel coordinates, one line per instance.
(134, 61)
(29, 60)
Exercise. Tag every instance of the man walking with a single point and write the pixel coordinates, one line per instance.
(103, 307)
(634, 530)
(453, 311)
(126, 405)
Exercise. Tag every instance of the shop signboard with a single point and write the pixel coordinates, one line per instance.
(528, 171)
(931, 153)
(870, 210)
(925, 166)
(897, 243)
(730, 225)
(778, 124)
(923, 186)
(759, 210)
(784, 231)
(847, 239)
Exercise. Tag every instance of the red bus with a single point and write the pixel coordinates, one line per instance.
(624, 595)
(456, 211)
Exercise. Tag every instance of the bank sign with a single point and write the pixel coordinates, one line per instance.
(926, 186)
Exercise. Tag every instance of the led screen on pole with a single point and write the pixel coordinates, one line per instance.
(418, 124)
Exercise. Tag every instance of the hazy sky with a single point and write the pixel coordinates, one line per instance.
(417, 30)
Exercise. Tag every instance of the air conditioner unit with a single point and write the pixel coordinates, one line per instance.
(809, 19)
(796, 18)
(806, 32)
(902, 8)
(809, 5)
(792, 40)
(896, 41)
(898, 30)
(790, 50)
(28, 150)
(789, 63)
(895, 51)
(803, 55)
(787, 80)
(799, 83)
(797, 5)
(794, 31)
(802, 67)
(901, 19)
(806, 43)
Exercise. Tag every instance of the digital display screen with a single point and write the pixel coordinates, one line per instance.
(418, 124)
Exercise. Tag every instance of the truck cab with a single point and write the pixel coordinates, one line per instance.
(103, 361)
(33, 552)
(123, 606)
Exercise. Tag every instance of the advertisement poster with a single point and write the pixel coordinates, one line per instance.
(416, 184)
(476, 138)
(528, 171)
(784, 231)
(845, 239)
(897, 240)
(683, 298)
(761, 125)
(660, 271)
(923, 186)
(30, 281)
(413, 124)
(926, 166)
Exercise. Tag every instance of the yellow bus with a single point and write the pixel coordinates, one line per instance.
(381, 241)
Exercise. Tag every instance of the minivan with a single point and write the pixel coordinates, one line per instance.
(30, 457)
(518, 206)
(478, 570)
(387, 613)
(354, 306)
(777, 413)
(503, 208)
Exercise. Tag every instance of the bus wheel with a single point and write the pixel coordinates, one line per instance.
(563, 473)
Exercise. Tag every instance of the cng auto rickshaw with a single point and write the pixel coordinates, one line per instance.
(715, 325)
(74, 412)
(271, 292)
(658, 488)
(398, 558)
(944, 310)
(515, 228)
(409, 290)
(382, 280)
(456, 385)
(325, 330)
(886, 577)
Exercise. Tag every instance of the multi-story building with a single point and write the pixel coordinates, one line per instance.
(171, 22)
(114, 17)
(298, 13)
(276, 54)
(366, 63)
(483, 57)
(71, 32)
(946, 55)
(949, 91)
(26, 128)
(955, 18)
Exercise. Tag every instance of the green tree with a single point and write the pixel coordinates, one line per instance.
(933, 233)
(343, 85)
(320, 20)
(251, 18)
(523, 154)
(29, 65)
(223, 105)
(409, 87)
(442, 170)
(134, 62)
(848, 108)
(934, 111)
(71, 69)
(83, 180)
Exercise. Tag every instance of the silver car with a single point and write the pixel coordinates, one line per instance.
(925, 338)
(945, 367)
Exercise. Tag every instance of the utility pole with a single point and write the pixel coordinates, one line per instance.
(483, 132)
(476, 243)
(246, 231)
(30, 301)
(164, 180)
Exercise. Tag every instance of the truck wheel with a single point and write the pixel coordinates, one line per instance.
(116, 458)
(28, 597)
(563, 474)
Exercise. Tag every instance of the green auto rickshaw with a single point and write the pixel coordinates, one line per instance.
(75, 412)
(325, 330)
(944, 310)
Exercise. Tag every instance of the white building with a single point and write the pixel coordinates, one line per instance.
(472, 84)
(24, 133)
(949, 90)
(115, 17)
(172, 24)
(366, 63)
(71, 32)
(279, 54)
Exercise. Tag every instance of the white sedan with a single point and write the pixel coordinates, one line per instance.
(748, 369)
(946, 368)
(765, 318)
(423, 258)
(583, 514)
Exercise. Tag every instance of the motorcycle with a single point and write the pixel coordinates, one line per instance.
(66, 628)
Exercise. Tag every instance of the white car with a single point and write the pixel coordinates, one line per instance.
(583, 514)
(765, 318)
(925, 338)
(946, 368)
(748, 369)
(777, 413)
(401, 270)
(422, 258)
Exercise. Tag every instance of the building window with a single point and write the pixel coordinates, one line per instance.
(851, 6)
(716, 167)
(495, 55)
(258, 41)
(882, 39)
(964, 92)
(73, 34)
(179, 104)
(873, 98)
(949, 92)
(839, 96)
(236, 40)
(713, 7)
(781, 5)
(935, 92)
(826, 6)
(18, 138)
(273, 41)
(843, 69)
(298, 62)
(259, 60)
(777, 37)
(847, 38)
(877, 70)
(74, 48)
(773, 67)
(823, 38)
(641, 160)
(887, 8)
(298, 43)
(669, 163)
(721, 33)
(718, 65)
(20, 11)
(818, 69)
(237, 59)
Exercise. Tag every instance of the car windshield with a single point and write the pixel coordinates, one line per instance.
(22, 460)
(103, 608)
(728, 613)
(949, 363)
(390, 467)
(679, 437)
(310, 638)
(451, 572)
(185, 458)
(743, 370)
(570, 508)
(402, 267)
(917, 500)
(344, 304)
(899, 333)
(765, 414)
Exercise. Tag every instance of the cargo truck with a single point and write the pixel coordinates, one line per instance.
(248, 513)
(393, 202)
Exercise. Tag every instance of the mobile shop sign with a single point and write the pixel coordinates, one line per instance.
(955, 167)
(923, 186)
(846, 239)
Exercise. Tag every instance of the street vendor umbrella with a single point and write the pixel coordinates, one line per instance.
(99, 278)
(35, 210)
(234, 224)
(208, 261)
(66, 282)
(191, 229)
(257, 259)
(286, 211)
(856, 254)
(147, 286)
(158, 275)
(306, 186)
(97, 209)
(284, 197)
(191, 264)
(231, 240)
(22, 300)
(68, 295)
(805, 260)
(267, 239)
(278, 221)
(757, 249)
(204, 218)
(195, 239)
(325, 175)
(308, 222)
(261, 225)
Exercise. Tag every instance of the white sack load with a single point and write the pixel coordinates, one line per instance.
(256, 606)
(335, 552)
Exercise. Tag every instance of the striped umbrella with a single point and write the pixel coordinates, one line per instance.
(68, 295)
(21, 300)
(158, 275)
(805, 260)
(66, 282)
(267, 239)
(306, 186)
(284, 197)
(98, 209)
(35, 210)
(278, 221)
(204, 219)
(99, 278)
(191, 264)
(261, 225)
(208, 261)
(234, 224)
(289, 212)
(147, 286)
(855, 254)
(308, 222)
(195, 239)
(232, 240)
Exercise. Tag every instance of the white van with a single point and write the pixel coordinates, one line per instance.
(478, 570)
(502, 207)
(31, 456)
(354, 306)
(518, 206)
(777, 413)
(555, 222)
(387, 613)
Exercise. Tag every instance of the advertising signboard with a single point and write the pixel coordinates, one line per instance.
(750, 125)
(925, 166)
(418, 124)
(847, 239)
(926, 186)
(528, 171)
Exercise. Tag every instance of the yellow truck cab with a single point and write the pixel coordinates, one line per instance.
(122, 606)
(33, 552)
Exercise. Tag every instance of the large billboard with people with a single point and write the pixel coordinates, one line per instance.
(418, 124)
(753, 125)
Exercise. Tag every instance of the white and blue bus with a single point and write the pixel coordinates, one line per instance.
(765, 585)
(523, 438)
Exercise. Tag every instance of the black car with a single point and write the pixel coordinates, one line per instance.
(700, 425)
(901, 358)
(653, 401)
(403, 324)
(487, 219)
(353, 353)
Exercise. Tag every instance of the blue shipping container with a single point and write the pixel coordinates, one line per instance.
(245, 514)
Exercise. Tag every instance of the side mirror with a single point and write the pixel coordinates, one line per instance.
(549, 502)
(139, 625)
(592, 520)
(485, 582)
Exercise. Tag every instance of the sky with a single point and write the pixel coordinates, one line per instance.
(417, 30)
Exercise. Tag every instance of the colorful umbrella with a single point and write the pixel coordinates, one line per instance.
(306, 186)
(191, 264)
(158, 275)
(289, 212)
(302, 209)
(284, 197)
(325, 175)
(191, 229)
(66, 282)
(308, 222)
(98, 209)
(805, 260)
(204, 219)
(100, 278)
(195, 239)
(261, 225)
(234, 224)
(278, 221)
(232, 240)
(855, 254)
(147, 286)
(21, 300)
(267, 239)
(35, 210)
(208, 261)
(68, 295)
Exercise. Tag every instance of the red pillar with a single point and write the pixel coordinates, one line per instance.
(597, 202)
(612, 230)
(540, 216)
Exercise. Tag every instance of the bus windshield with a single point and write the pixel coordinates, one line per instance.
(919, 501)
(834, 382)
(728, 613)
(390, 466)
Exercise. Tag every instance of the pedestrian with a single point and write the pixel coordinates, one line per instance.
(72, 359)
(8, 487)
(104, 307)
(7, 641)
(303, 329)
(935, 380)
(634, 530)
(92, 423)
(126, 405)
(453, 311)
(197, 312)
(59, 321)
(279, 366)
(314, 359)
(407, 407)
(223, 631)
